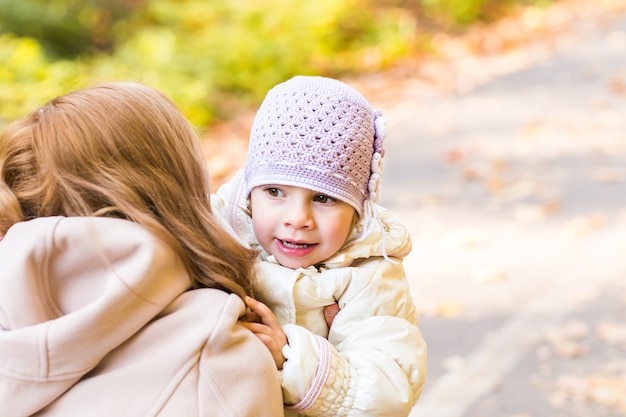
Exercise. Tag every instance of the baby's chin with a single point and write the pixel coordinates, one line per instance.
(295, 263)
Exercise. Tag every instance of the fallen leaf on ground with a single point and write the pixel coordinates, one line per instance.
(618, 86)
(583, 225)
(454, 155)
(608, 175)
(566, 340)
(613, 333)
(449, 310)
(529, 213)
(521, 189)
(604, 390)
(488, 275)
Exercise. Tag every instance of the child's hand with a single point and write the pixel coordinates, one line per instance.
(330, 312)
(266, 329)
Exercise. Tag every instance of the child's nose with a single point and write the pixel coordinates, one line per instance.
(298, 215)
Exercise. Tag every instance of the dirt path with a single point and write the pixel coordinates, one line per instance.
(514, 189)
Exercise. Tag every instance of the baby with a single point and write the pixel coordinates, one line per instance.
(307, 198)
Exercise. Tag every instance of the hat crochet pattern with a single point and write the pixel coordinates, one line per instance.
(321, 134)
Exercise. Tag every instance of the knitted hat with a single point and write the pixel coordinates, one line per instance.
(320, 134)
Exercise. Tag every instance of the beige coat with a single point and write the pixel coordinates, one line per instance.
(372, 361)
(96, 320)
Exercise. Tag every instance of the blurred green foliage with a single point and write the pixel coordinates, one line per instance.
(458, 14)
(210, 56)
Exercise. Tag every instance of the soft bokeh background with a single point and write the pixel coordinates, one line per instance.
(217, 58)
(214, 56)
(506, 157)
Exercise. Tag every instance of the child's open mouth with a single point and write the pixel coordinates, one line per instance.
(292, 245)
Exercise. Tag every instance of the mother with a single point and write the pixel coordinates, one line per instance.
(119, 291)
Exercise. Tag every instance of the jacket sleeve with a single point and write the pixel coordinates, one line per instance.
(374, 360)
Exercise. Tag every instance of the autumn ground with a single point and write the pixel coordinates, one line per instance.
(507, 160)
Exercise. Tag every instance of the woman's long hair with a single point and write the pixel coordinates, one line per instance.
(121, 150)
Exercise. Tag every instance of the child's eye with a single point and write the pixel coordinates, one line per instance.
(274, 192)
(321, 198)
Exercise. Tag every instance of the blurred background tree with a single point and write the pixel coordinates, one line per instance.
(213, 56)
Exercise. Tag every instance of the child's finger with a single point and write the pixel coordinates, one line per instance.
(262, 311)
(256, 328)
(257, 306)
(251, 317)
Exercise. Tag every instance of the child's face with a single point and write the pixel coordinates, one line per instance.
(298, 226)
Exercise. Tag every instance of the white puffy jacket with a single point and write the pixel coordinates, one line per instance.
(372, 361)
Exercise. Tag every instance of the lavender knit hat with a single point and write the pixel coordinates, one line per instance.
(318, 133)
